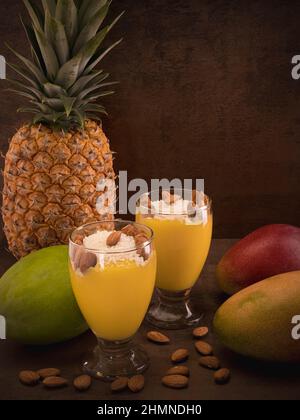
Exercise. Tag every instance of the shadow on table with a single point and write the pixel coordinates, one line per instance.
(263, 368)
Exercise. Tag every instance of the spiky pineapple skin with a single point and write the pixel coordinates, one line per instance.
(51, 184)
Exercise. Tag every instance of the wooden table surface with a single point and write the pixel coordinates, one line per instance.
(250, 379)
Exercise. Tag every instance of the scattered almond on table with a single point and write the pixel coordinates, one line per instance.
(51, 378)
(136, 383)
(203, 348)
(158, 337)
(178, 370)
(119, 384)
(200, 332)
(222, 376)
(82, 382)
(179, 355)
(55, 382)
(210, 362)
(29, 377)
(176, 377)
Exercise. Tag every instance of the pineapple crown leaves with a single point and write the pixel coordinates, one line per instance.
(61, 81)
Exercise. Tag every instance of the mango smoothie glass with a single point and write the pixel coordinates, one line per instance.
(182, 223)
(113, 266)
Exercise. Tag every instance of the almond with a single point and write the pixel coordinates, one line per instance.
(29, 377)
(200, 332)
(158, 337)
(79, 239)
(222, 376)
(144, 252)
(179, 355)
(87, 260)
(149, 203)
(166, 196)
(129, 230)
(145, 201)
(140, 238)
(145, 205)
(78, 251)
(175, 381)
(191, 209)
(113, 238)
(197, 197)
(194, 196)
(169, 198)
(55, 382)
(82, 382)
(44, 373)
(203, 348)
(119, 384)
(210, 362)
(178, 370)
(151, 209)
(136, 383)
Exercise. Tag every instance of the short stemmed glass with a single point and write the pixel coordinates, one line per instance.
(182, 224)
(113, 287)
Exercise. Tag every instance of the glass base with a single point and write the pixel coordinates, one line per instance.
(173, 310)
(118, 358)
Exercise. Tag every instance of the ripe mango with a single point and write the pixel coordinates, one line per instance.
(37, 300)
(269, 250)
(257, 321)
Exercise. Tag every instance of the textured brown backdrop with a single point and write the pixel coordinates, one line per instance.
(206, 92)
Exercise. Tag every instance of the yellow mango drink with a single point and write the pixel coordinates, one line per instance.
(96, 289)
(182, 251)
(183, 231)
(112, 270)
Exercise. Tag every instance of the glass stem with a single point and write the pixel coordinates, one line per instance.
(169, 298)
(173, 310)
(114, 350)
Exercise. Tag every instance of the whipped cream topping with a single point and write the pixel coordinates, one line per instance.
(181, 209)
(122, 251)
(178, 207)
(97, 241)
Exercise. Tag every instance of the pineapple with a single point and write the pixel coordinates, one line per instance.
(59, 165)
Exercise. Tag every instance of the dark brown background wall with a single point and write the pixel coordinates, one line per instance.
(206, 92)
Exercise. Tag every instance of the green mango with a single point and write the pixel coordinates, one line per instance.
(258, 320)
(37, 300)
